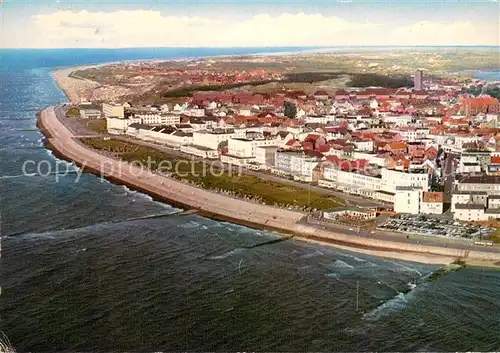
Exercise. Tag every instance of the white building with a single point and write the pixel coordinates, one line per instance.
(432, 203)
(494, 201)
(245, 148)
(391, 179)
(113, 109)
(319, 119)
(397, 120)
(90, 113)
(265, 155)
(490, 184)
(407, 200)
(155, 118)
(363, 145)
(195, 112)
(160, 134)
(212, 139)
(370, 157)
(117, 125)
(297, 164)
(351, 182)
(200, 151)
(470, 212)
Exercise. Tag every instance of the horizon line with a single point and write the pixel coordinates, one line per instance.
(262, 47)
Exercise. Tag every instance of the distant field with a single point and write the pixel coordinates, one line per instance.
(391, 69)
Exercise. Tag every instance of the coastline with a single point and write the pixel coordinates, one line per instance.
(60, 140)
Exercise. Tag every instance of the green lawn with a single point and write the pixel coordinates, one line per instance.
(97, 125)
(73, 112)
(272, 193)
(495, 237)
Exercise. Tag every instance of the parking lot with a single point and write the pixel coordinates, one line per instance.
(422, 225)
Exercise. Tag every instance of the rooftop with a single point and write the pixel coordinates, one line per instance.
(469, 206)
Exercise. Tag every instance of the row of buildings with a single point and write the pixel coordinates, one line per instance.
(379, 146)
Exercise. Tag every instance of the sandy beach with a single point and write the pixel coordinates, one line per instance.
(75, 89)
(80, 89)
(61, 140)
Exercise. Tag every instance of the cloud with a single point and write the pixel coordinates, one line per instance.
(144, 28)
(456, 33)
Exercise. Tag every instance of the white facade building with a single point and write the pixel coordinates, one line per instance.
(363, 145)
(391, 179)
(212, 139)
(246, 148)
(118, 126)
(265, 155)
(407, 200)
(113, 109)
(158, 118)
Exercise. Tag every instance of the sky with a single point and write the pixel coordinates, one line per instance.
(249, 23)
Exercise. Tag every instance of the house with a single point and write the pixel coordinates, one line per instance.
(489, 184)
(407, 199)
(470, 212)
(475, 197)
(394, 147)
(90, 113)
(266, 155)
(432, 203)
(113, 110)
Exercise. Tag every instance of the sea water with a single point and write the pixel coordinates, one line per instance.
(81, 270)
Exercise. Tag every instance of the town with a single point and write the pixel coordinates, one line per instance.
(433, 149)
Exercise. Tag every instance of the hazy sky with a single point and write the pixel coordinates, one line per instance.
(229, 23)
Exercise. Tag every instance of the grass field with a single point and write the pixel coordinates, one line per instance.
(213, 178)
(495, 237)
(97, 125)
(73, 112)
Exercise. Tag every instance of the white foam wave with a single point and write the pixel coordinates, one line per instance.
(17, 176)
(365, 263)
(412, 285)
(312, 254)
(332, 275)
(227, 254)
(342, 264)
(189, 225)
(399, 302)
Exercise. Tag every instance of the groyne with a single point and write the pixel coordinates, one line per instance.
(222, 207)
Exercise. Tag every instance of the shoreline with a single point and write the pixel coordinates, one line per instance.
(60, 140)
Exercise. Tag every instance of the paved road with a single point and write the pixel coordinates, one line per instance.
(449, 175)
(75, 126)
(351, 199)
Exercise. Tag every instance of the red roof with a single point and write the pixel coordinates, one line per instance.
(311, 137)
(347, 165)
(495, 160)
(324, 148)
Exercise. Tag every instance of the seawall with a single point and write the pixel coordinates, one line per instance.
(222, 207)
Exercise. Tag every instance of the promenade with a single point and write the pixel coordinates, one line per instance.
(63, 142)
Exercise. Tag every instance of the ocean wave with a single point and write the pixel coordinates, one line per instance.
(341, 264)
(190, 225)
(228, 254)
(399, 302)
(332, 275)
(312, 254)
(144, 196)
(17, 176)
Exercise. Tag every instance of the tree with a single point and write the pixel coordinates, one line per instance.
(290, 110)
